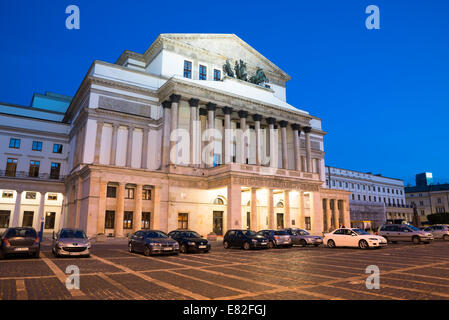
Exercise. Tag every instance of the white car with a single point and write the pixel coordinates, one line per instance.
(353, 237)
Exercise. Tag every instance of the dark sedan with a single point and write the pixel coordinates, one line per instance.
(245, 239)
(190, 241)
(303, 238)
(152, 242)
(20, 241)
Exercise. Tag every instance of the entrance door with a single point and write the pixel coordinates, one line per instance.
(248, 220)
(280, 220)
(218, 222)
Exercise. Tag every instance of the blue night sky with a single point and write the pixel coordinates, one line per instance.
(383, 94)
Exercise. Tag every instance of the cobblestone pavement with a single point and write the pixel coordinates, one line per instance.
(407, 271)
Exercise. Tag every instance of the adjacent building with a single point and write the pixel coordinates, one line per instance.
(172, 138)
(374, 199)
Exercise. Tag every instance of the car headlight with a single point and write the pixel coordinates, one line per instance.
(176, 245)
(191, 243)
(254, 240)
(60, 245)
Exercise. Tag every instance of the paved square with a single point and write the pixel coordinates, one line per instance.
(407, 271)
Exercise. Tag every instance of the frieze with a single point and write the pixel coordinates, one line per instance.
(124, 106)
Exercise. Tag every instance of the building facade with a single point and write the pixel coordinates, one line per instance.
(173, 139)
(374, 200)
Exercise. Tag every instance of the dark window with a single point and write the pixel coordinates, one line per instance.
(14, 143)
(308, 223)
(111, 192)
(146, 194)
(128, 220)
(30, 195)
(146, 218)
(8, 194)
(109, 219)
(129, 193)
(37, 145)
(4, 218)
(50, 220)
(203, 73)
(55, 170)
(57, 148)
(183, 220)
(188, 69)
(217, 75)
(11, 166)
(34, 168)
(52, 197)
(27, 218)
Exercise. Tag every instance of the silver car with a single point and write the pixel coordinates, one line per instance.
(70, 242)
(404, 232)
(303, 238)
(440, 231)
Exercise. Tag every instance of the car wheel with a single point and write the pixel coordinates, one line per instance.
(416, 240)
(363, 244)
(246, 246)
(331, 244)
(130, 248)
(303, 243)
(147, 251)
(446, 237)
(271, 245)
(183, 248)
(317, 245)
(226, 245)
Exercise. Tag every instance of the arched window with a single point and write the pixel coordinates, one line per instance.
(219, 201)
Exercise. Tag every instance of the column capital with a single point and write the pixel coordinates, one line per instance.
(115, 125)
(131, 127)
(100, 122)
(283, 124)
(203, 112)
(257, 117)
(194, 102)
(211, 106)
(296, 126)
(175, 98)
(307, 129)
(243, 114)
(166, 104)
(227, 110)
(271, 120)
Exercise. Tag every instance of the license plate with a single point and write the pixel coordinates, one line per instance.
(168, 249)
(21, 249)
(264, 243)
(202, 247)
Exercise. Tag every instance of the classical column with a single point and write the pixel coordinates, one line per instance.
(253, 218)
(144, 159)
(234, 209)
(211, 137)
(335, 214)
(193, 131)
(155, 222)
(137, 218)
(288, 220)
(283, 125)
(98, 141)
(308, 149)
(346, 214)
(102, 207)
(328, 214)
(129, 146)
(174, 98)
(203, 119)
(115, 127)
(296, 146)
(166, 134)
(40, 213)
(16, 214)
(273, 143)
(243, 141)
(271, 217)
(302, 215)
(257, 118)
(227, 135)
(120, 210)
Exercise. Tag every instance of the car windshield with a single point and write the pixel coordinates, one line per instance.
(413, 228)
(156, 234)
(24, 233)
(79, 234)
(191, 234)
(303, 233)
(281, 233)
(360, 231)
(249, 233)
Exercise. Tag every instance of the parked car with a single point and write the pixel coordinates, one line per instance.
(303, 238)
(152, 242)
(70, 242)
(353, 237)
(277, 238)
(190, 241)
(439, 231)
(20, 240)
(404, 232)
(246, 239)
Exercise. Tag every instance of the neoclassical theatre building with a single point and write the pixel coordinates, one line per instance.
(194, 133)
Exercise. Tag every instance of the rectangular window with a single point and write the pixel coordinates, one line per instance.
(7, 194)
(217, 75)
(188, 69)
(50, 220)
(14, 143)
(37, 145)
(52, 197)
(146, 218)
(30, 195)
(353, 198)
(203, 73)
(111, 192)
(109, 219)
(4, 218)
(11, 166)
(183, 220)
(55, 170)
(129, 193)
(146, 194)
(57, 148)
(128, 220)
(27, 219)
(34, 168)
(308, 224)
